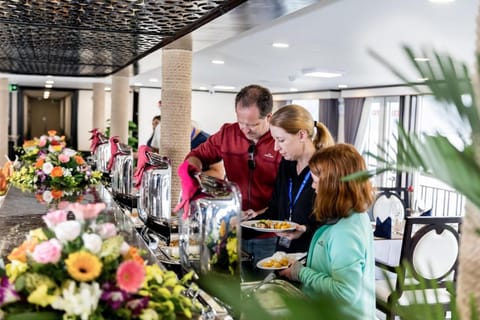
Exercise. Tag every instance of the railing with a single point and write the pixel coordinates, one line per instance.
(444, 202)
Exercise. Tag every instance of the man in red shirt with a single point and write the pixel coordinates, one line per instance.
(247, 150)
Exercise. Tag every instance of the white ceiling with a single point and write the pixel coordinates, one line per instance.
(331, 35)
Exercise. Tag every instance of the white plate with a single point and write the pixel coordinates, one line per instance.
(251, 224)
(291, 257)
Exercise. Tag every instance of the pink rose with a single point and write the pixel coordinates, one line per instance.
(107, 230)
(86, 211)
(48, 251)
(55, 217)
(42, 142)
(63, 158)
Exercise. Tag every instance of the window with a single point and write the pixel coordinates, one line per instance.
(381, 130)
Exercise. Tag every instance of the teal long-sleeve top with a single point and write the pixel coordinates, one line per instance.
(341, 266)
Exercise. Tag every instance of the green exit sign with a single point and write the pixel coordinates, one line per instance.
(12, 87)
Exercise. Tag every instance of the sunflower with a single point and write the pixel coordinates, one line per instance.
(83, 266)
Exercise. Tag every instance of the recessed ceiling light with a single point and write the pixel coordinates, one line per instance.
(49, 82)
(293, 89)
(218, 61)
(280, 45)
(108, 89)
(321, 74)
(422, 79)
(48, 85)
(138, 84)
(421, 59)
(441, 1)
(153, 80)
(342, 86)
(202, 88)
(220, 87)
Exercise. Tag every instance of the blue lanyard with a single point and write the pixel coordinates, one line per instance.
(291, 203)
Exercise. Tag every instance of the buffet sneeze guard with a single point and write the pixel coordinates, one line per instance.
(214, 225)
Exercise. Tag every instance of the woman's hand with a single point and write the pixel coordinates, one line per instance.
(292, 235)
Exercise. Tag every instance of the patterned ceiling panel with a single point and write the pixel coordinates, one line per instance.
(93, 37)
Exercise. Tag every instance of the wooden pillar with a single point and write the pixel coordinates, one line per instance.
(99, 106)
(468, 286)
(176, 105)
(119, 112)
(4, 118)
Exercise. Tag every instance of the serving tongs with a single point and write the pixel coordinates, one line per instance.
(154, 159)
(250, 291)
(214, 187)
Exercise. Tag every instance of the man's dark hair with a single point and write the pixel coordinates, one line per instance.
(159, 118)
(255, 94)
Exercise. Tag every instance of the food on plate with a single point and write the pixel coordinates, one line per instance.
(268, 224)
(278, 260)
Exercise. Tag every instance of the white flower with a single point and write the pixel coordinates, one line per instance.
(149, 314)
(67, 230)
(124, 248)
(69, 152)
(80, 301)
(47, 196)
(67, 172)
(47, 167)
(92, 242)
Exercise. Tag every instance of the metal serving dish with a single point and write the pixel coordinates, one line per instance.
(270, 295)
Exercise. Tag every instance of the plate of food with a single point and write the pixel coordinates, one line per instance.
(280, 260)
(269, 225)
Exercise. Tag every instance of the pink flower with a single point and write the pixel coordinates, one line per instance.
(410, 189)
(42, 142)
(63, 158)
(86, 211)
(53, 218)
(130, 276)
(48, 251)
(106, 230)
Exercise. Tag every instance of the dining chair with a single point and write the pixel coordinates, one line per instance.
(388, 211)
(426, 273)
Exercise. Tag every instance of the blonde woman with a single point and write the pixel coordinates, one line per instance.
(297, 137)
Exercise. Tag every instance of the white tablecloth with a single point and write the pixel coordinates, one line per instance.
(387, 251)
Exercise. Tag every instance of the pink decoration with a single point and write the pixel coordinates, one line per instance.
(142, 164)
(190, 186)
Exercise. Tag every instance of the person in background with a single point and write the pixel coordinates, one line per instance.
(250, 160)
(155, 122)
(155, 142)
(197, 137)
(292, 127)
(340, 264)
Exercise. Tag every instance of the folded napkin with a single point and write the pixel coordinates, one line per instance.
(383, 229)
(95, 140)
(426, 213)
(142, 164)
(190, 186)
(113, 151)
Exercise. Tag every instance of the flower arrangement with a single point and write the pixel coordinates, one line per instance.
(54, 166)
(84, 269)
(32, 149)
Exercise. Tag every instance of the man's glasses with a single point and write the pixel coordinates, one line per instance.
(251, 158)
